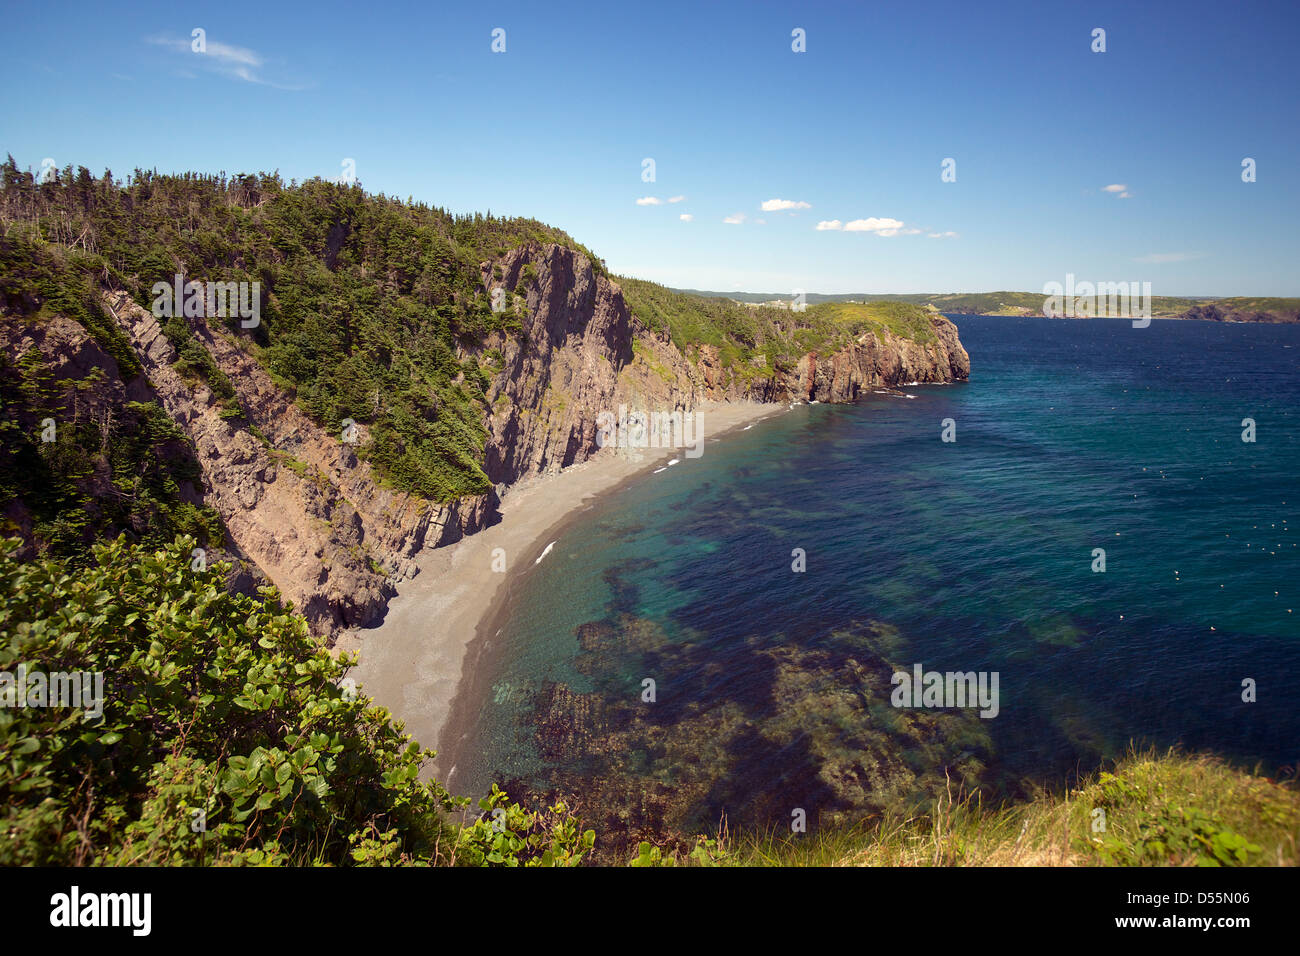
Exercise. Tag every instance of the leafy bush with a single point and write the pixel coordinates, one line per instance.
(228, 734)
(508, 835)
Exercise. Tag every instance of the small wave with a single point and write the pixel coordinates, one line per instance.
(657, 470)
(544, 553)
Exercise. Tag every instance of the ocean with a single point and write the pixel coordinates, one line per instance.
(667, 664)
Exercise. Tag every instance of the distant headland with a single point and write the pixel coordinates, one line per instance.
(1202, 308)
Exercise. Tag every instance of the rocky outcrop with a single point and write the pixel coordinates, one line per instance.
(881, 359)
(1216, 313)
(874, 360)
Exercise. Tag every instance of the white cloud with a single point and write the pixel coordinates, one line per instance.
(776, 205)
(881, 227)
(735, 220)
(1119, 188)
(1159, 258)
(676, 198)
(649, 201)
(1125, 195)
(943, 235)
(686, 217)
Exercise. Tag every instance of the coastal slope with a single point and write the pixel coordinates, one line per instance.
(403, 370)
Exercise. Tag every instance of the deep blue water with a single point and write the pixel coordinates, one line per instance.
(972, 555)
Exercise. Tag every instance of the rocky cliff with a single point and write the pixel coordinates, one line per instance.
(296, 501)
(302, 507)
(584, 352)
(1229, 313)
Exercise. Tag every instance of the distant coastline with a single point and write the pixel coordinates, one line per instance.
(1268, 310)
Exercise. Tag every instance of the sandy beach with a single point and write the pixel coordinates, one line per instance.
(413, 662)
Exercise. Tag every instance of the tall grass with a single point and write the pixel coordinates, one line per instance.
(1151, 809)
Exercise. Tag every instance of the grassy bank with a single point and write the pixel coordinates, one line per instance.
(1149, 810)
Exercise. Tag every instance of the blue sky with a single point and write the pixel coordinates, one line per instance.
(856, 128)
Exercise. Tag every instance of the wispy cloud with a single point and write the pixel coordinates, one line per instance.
(226, 59)
(649, 201)
(943, 235)
(827, 225)
(777, 205)
(676, 198)
(686, 217)
(735, 219)
(1160, 258)
(1117, 189)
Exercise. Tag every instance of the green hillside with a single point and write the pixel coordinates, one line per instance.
(767, 337)
(365, 298)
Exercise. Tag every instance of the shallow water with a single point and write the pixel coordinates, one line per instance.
(974, 555)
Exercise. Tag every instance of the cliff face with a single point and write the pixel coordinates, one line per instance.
(874, 360)
(1215, 313)
(302, 507)
(880, 359)
(583, 352)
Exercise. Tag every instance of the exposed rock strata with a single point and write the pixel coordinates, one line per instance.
(302, 506)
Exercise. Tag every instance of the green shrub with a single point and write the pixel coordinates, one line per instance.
(228, 734)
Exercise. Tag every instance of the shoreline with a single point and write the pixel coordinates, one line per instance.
(415, 662)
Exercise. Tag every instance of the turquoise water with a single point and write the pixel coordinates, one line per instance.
(970, 555)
